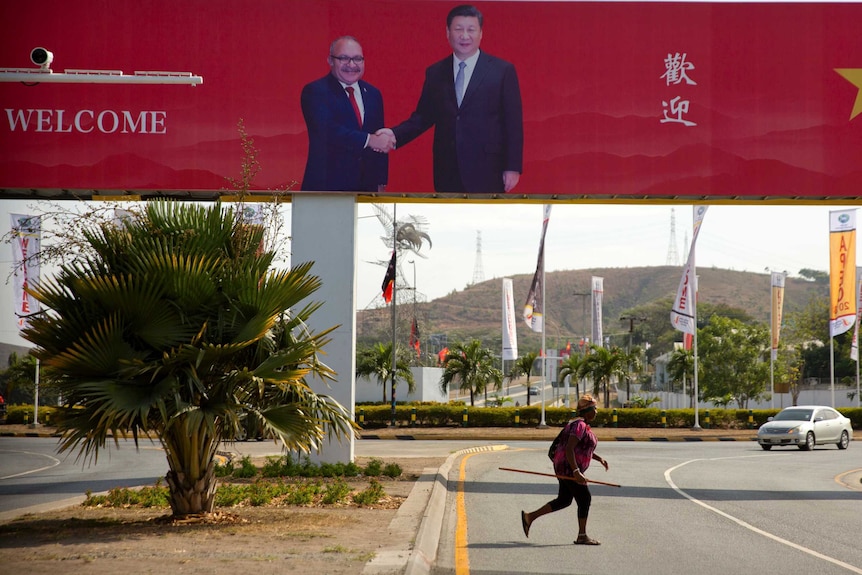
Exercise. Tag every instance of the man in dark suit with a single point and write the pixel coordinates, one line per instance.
(473, 100)
(342, 113)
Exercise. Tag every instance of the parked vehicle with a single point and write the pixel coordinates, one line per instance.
(805, 426)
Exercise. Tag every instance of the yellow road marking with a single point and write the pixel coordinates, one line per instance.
(462, 561)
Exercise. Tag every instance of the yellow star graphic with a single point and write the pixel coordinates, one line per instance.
(854, 76)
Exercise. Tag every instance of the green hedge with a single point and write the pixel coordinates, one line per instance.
(443, 415)
(23, 414)
(447, 415)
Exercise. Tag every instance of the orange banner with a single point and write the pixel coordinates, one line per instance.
(842, 271)
(777, 309)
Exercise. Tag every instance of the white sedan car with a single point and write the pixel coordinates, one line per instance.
(806, 426)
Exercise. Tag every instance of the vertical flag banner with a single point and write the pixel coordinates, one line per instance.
(682, 312)
(598, 289)
(854, 347)
(534, 308)
(777, 309)
(388, 280)
(415, 337)
(26, 242)
(510, 336)
(842, 271)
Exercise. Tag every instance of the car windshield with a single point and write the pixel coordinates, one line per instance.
(794, 415)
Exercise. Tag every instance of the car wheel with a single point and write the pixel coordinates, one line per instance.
(809, 442)
(765, 447)
(844, 441)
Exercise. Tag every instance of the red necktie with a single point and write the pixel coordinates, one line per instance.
(355, 105)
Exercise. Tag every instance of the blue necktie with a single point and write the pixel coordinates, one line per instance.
(459, 82)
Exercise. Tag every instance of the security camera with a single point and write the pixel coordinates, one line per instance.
(42, 57)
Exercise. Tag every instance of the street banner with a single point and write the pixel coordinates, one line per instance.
(842, 271)
(510, 335)
(854, 346)
(597, 291)
(682, 312)
(389, 279)
(534, 308)
(26, 245)
(778, 279)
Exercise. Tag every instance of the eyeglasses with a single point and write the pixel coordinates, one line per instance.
(346, 59)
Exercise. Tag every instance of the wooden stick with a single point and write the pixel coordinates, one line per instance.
(558, 476)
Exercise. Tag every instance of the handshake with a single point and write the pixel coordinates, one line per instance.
(383, 141)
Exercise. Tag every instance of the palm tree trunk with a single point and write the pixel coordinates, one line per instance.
(191, 479)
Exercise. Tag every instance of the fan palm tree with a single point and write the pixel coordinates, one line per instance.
(471, 366)
(174, 324)
(376, 362)
(601, 365)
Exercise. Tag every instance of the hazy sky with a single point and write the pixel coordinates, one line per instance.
(743, 238)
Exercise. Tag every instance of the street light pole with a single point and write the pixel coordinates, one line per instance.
(394, 318)
(413, 263)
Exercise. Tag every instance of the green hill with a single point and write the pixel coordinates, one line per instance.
(476, 311)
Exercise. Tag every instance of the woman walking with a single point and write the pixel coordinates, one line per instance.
(571, 459)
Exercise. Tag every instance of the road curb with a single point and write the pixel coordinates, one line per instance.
(424, 553)
(28, 434)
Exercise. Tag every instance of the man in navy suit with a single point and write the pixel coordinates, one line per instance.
(473, 100)
(342, 113)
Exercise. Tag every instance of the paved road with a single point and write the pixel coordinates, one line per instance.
(33, 477)
(706, 508)
(715, 507)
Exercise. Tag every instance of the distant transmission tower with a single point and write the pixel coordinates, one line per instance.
(478, 272)
(672, 253)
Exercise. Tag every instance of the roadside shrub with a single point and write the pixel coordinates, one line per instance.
(224, 470)
(261, 493)
(370, 495)
(392, 470)
(156, 496)
(374, 468)
(276, 466)
(229, 495)
(91, 500)
(335, 492)
(246, 468)
(303, 493)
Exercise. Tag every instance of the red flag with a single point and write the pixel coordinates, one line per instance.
(414, 336)
(687, 340)
(441, 356)
(389, 280)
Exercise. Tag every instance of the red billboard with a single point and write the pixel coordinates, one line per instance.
(619, 101)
